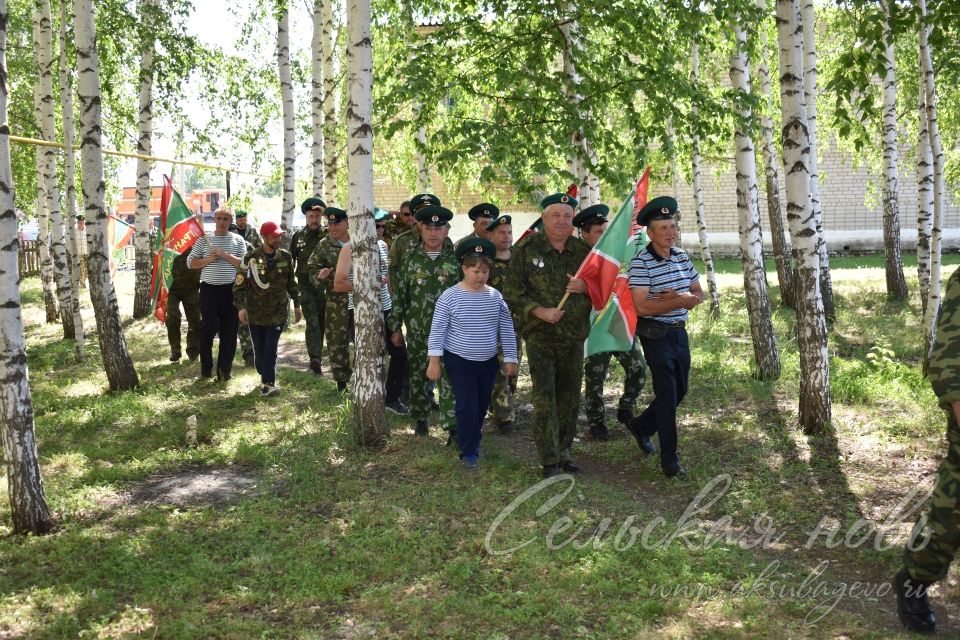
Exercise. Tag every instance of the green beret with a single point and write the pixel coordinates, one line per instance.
(80, 216)
(434, 216)
(332, 214)
(476, 247)
(499, 221)
(310, 203)
(560, 198)
(591, 215)
(239, 213)
(662, 208)
(424, 200)
(380, 214)
(483, 210)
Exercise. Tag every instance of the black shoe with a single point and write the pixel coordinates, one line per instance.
(647, 446)
(223, 376)
(421, 428)
(192, 358)
(550, 470)
(175, 356)
(913, 605)
(341, 387)
(644, 442)
(569, 467)
(675, 470)
(505, 428)
(397, 407)
(624, 416)
(599, 433)
(315, 365)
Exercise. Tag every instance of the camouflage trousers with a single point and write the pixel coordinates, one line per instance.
(942, 520)
(246, 342)
(504, 390)
(191, 309)
(420, 386)
(313, 304)
(595, 370)
(556, 373)
(337, 328)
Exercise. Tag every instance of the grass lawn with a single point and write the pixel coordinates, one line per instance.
(310, 537)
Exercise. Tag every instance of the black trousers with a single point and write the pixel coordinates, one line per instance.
(669, 362)
(265, 340)
(218, 316)
(397, 370)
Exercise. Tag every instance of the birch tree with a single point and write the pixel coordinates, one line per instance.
(932, 311)
(811, 322)
(778, 238)
(423, 168)
(751, 241)
(705, 253)
(581, 156)
(924, 197)
(113, 345)
(69, 182)
(330, 108)
(142, 306)
(316, 96)
(24, 484)
(289, 116)
(369, 417)
(674, 175)
(808, 22)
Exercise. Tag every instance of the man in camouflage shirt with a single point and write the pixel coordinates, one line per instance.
(405, 242)
(504, 389)
(401, 223)
(254, 241)
(312, 297)
(481, 215)
(428, 270)
(940, 525)
(337, 320)
(541, 272)
(185, 290)
(265, 285)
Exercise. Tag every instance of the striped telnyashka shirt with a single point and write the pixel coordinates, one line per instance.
(473, 325)
(385, 298)
(220, 271)
(676, 271)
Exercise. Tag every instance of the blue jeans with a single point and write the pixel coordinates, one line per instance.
(265, 340)
(472, 384)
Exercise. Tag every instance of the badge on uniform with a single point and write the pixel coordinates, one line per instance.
(538, 262)
(239, 278)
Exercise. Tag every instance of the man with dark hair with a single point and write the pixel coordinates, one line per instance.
(481, 215)
(312, 297)
(338, 317)
(402, 222)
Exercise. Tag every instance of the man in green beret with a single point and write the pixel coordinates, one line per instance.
(481, 215)
(592, 222)
(403, 243)
(505, 388)
(337, 320)
(312, 299)
(245, 230)
(184, 290)
(401, 223)
(430, 268)
(541, 272)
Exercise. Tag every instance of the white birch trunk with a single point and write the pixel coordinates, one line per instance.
(673, 177)
(50, 301)
(808, 20)
(330, 108)
(581, 154)
(896, 285)
(142, 306)
(924, 200)
(811, 321)
(765, 352)
(113, 345)
(369, 417)
(28, 506)
(932, 311)
(289, 115)
(69, 183)
(778, 238)
(705, 253)
(316, 97)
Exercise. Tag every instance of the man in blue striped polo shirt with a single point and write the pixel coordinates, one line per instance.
(664, 285)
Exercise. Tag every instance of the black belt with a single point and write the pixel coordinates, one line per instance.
(676, 326)
(210, 284)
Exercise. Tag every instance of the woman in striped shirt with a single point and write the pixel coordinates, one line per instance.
(470, 323)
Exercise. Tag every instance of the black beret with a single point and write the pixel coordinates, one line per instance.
(476, 247)
(424, 200)
(662, 208)
(560, 198)
(434, 216)
(310, 203)
(332, 214)
(499, 221)
(596, 213)
(483, 210)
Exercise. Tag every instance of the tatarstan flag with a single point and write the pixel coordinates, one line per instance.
(178, 231)
(119, 234)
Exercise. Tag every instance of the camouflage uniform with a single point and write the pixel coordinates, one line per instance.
(254, 241)
(185, 290)
(473, 234)
(402, 245)
(395, 228)
(595, 369)
(942, 521)
(537, 277)
(418, 284)
(312, 299)
(337, 315)
(250, 235)
(504, 390)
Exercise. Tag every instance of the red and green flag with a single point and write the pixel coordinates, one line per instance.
(178, 231)
(119, 234)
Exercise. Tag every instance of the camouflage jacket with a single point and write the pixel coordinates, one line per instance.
(944, 370)
(302, 245)
(418, 285)
(394, 229)
(472, 234)
(498, 274)
(325, 256)
(250, 235)
(185, 280)
(266, 306)
(537, 277)
(402, 245)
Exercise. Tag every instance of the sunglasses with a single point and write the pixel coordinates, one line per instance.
(381, 226)
(406, 214)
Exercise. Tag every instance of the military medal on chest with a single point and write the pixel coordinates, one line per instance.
(538, 262)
